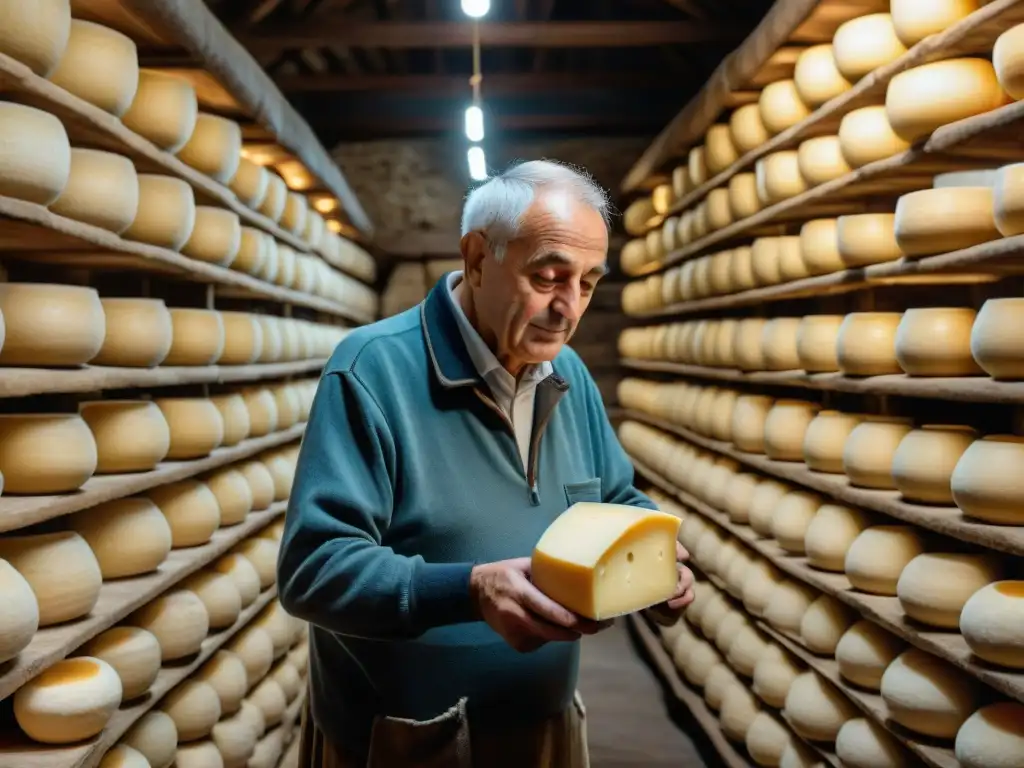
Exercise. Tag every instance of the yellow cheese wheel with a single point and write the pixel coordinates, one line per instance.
(985, 486)
(815, 709)
(129, 537)
(19, 612)
(195, 423)
(864, 44)
(819, 247)
(244, 575)
(164, 109)
(214, 148)
(253, 646)
(296, 209)
(277, 191)
(816, 76)
(235, 739)
(60, 568)
(994, 735)
(178, 619)
(774, 672)
(166, 214)
(155, 736)
(202, 753)
(992, 623)
(778, 344)
(869, 451)
(286, 271)
(928, 695)
(45, 453)
(1008, 199)
(743, 199)
(864, 652)
(71, 701)
(865, 136)
(719, 680)
(927, 97)
(133, 653)
(252, 717)
(191, 510)
(272, 349)
(36, 34)
(102, 190)
(1008, 62)
(767, 739)
(830, 534)
(719, 211)
(661, 199)
(316, 227)
(824, 623)
(824, 440)
(219, 594)
(922, 467)
(778, 177)
(262, 553)
(235, 416)
(138, 333)
(791, 517)
(762, 502)
(285, 675)
(748, 420)
(278, 625)
(268, 697)
(787, 603)
(878, 555)
(719, 150)
(861, 743)
(197, 337)
(781, 107)
(130, 435)
(739, 710)
(243, 338)
(261, 482)
(936, 341)
(934, 586)
(253, 250)
(216, 236)
(50, 324)
(747, 128)
(99, 65)
(262, 410)
(680, 181)
(35, 154)
(697, 166)
(766, 261)
(286, 399)
(250, 183)
(226, 674)
(268, 750)
(816, 343)
(995, 342)
(934, 221)
(866, 344)
(234, 496)
(791, 263)
(194, 707)
(867, 238)
(121, 756)
(917, 19)
(821, 160)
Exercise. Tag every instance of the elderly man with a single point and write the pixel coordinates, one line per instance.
(441, 444)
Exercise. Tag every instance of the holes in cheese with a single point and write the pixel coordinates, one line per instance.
(164, 109)
(197, 337)
(35, 154)
(864, 44)
(604, 560)
(102, 190)
(138, 333)
(214, 148)
(50, 324)
(133, 653)
(167, 212)
(69, 702)
(928, 695)
(131, 435)
(36, 33)
(19, 612)
(45, 453)
(156, 737)
(99, 65)
(128, 536)
(986, 483)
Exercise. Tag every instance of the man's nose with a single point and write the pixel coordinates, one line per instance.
(568, 303)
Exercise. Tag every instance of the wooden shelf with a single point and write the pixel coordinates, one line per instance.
(976, 389)
(30, 231)
(948, 521)
(21, 511)
(22, 382)
(884, 611)
(25, 754)
(119, 597)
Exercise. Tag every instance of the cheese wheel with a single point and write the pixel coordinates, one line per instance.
(19, 612)
(825, 438)
(50, 324)
(936, 341)
(791, 263)
(316, 227)
(194, 707)
(864, 744)
(191, 510)
(166, 213)
(869, 451)
(819, 247)
(816, 341)
(719, 680)
(235, 739)
(992, 736)
(748, 418)
(35, 153)
(129, 537)
(197, 337)
(235, 416)
(252, 717)
(45, 453)
(254, 647)
(830, 534)
(195, 423)
(178, 619)
(868, 238)
(198, 754)
(132, 652)
(865, 136)
(821, 160)
(778, 344)
(815, 709)
(214, 148)
(250, 183)
(767, 738)
(262, 407)
(719, 212)
(799, 755)
(272, 348)
(99, 65)
(781, 107)
(864, 44)
(268, 697)
(747, 128)
(785, 428)
(928, 695)
(130, 435)
(277, 191)
(296, 209)
(268, 750)
(243, 338)
(866, 343)
(233, 494)
(778, 177)
(243, 573)
(121, 756)
(262, 553)
(824, 623)
(915, 20)
(163, 110)
(155, 736)
(71, 701)
(762, 503)
(934, 587)
(283, 472)
(261, 482)
(985, 484)
(219, 595)
(864, 653)
(816, 76)
(922, 467)
(36, 34)
(739, 709)
(1008, 199)
(299, 656)
(791, 517)
(1007, 61)
(696, 164)
(930, 96)
(934, 221)
(994, 339)
(719, 150)
(138, 333)
(879, 554)
(216, 236)
(787, 603)
(253, 250)
(774, 673)
(285, 675)
(226, 674)
(102, 190)
(743, 199)
(992, 623)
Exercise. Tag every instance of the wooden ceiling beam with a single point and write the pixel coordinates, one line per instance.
(525, 121)
(436, 85)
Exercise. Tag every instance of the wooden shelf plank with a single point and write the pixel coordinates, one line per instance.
(119, 597)
(22, 382)
(976, 389)
(23, 754)
(21, 511)
(948, 521)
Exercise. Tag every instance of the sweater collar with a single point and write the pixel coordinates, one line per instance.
(448, 354)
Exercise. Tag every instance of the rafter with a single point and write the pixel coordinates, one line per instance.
(438, 85)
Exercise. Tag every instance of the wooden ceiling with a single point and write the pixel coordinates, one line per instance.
(372, 69)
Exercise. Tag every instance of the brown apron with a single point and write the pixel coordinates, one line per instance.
(446, 742)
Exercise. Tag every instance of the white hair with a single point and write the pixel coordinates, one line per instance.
(496, 207)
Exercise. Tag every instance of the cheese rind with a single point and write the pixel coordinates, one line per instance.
(35, 154)
(19, 612)
(932, 221)
(99, 65)
(866, 136)
(816, 76)
(69, 702)
(214, 148)
(164, 109)
(866, 43)
(102, 190)
(992, 736)
(605, 560)
(35, 33)
(915, 20)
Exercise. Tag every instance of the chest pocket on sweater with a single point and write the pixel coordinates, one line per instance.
(588, 490)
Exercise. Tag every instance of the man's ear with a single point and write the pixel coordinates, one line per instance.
(474, 251)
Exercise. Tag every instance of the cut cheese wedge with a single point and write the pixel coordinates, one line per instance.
(604, 560)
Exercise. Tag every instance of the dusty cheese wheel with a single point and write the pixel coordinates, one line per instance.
(261, 482)
(917, 19)
(785, 427)
(936, 341)
(138, 333)
(739, 709)
(102, 190)
(121, 756)
(781, 107)
(743, 199)
(178, 619)
(927, 695)
(226, 674)
(864, 652)
(262, 553)
(830, 534)
(923, 464)
(864, 44)
(129, 537)
(35, 154)
(778, 344)
(932, 221)
(262, 410)
(194, 707)
(791, 517)
(235, 739)
(869, 451)
(774, 674)
(824, 440)
(992, 623)
(197, 337)
(824, 623)
(19, 612)
(985, 484)
(821, 160)
(50, 324)
(214, 148)
(787, 603)
(287, 676)
(819, 247)
(866, 343)
(934, 586)
(927, 97)
(250, 183)
(995, 342)
(235, 415)
(868, 238)
(156, 737)
(243, 338)
(130, 435)
(191, 510)
(36, 34)
(163, 110)
(71, 701)
(216, 236)
(195, 423)
(166, 214)
(254, 647)
(865, 136)
(234, 496)
(61, 570)
(243, 573)
(817, 77)
(45, 453)
(273, 203)
(778, 177)
(719, 212)
(727, 630)
(99, 65)
(696, 163)
(767, 738)
(134, 655)
(762, 503)
(815, 709)
(861, 743)
(719, 150)
(879, 554)
(219, 594)
(992, 736)
(202, 753)
(747, 128)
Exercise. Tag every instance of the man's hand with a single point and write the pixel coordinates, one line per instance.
(669, 612)
(525, 617)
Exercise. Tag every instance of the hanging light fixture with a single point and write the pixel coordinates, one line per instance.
(477, 163)
(474, 123)
(476, 9)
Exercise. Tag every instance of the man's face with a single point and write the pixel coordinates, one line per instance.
(529, 304)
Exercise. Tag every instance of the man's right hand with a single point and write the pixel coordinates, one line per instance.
(526, 618)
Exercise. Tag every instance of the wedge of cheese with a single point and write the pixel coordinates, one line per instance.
(605, 560)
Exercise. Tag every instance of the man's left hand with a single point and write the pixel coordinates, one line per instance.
(669, 612)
